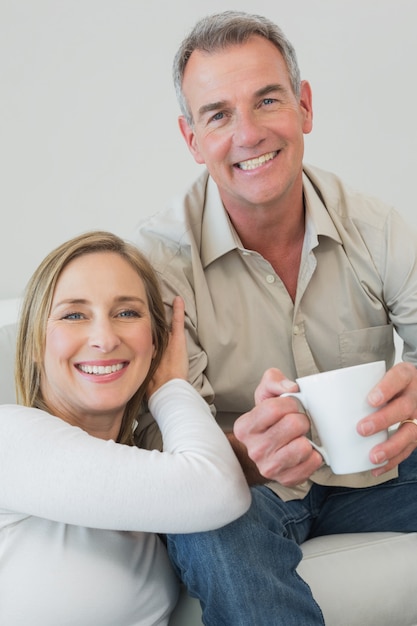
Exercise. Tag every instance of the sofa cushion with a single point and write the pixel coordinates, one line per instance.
(7, 359)
(364, 579)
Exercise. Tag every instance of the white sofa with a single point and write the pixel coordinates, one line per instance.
(367, 579)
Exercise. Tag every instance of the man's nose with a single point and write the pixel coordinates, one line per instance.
(248, 131)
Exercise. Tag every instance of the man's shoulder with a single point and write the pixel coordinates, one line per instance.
(175, 227)
(344, 201)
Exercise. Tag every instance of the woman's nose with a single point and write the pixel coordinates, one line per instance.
(104, 336)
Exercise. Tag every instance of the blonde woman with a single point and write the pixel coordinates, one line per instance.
(80, 505)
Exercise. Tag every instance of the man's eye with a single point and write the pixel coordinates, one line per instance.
(269, 100)
(217, 117)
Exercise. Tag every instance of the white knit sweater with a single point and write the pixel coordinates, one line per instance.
(69, 501)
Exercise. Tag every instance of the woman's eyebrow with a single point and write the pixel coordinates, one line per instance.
(121, 299)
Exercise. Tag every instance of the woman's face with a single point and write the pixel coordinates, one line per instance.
(99, 343)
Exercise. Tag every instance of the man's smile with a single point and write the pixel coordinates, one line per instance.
(252, 164)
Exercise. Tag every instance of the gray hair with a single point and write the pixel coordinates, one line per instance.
(218, 31)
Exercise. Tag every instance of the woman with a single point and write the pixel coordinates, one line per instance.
(78, 509)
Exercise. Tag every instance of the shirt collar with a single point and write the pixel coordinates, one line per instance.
(219, 236)
(318, 220)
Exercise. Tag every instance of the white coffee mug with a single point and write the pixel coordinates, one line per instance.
(335, 401)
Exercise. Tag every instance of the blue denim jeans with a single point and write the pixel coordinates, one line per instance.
(244, 574)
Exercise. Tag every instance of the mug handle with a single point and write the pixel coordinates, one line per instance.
(299, 396)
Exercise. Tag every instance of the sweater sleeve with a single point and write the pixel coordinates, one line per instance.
(56, 471)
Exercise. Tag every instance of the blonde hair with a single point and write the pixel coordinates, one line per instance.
(36, 307)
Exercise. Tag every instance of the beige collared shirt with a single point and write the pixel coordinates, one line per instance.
(357, 281)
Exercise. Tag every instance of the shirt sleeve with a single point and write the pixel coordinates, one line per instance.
(56, 471)
(399, 272)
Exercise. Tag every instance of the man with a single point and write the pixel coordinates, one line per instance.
(281, 266)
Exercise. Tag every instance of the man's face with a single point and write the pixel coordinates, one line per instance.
(248, 124)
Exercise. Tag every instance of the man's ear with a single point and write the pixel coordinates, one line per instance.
(306, 107)
(190, 139)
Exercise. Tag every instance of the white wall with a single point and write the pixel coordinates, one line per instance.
(88, 131)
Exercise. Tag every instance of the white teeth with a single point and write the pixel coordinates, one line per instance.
(252, 164)
(100, 369)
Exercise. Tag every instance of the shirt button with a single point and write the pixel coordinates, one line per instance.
(296, 330)
(270, 278)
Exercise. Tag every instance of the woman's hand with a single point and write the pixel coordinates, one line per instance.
(174, 363)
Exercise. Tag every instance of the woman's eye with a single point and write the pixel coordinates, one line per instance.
(73, 316)
(128, 313)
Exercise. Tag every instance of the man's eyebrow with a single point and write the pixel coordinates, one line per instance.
(212, 106)
(221, 104)
(273, 87)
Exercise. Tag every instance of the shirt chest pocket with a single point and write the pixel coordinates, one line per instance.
(367, 344)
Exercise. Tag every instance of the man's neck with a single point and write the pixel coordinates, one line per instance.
(277, 236)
